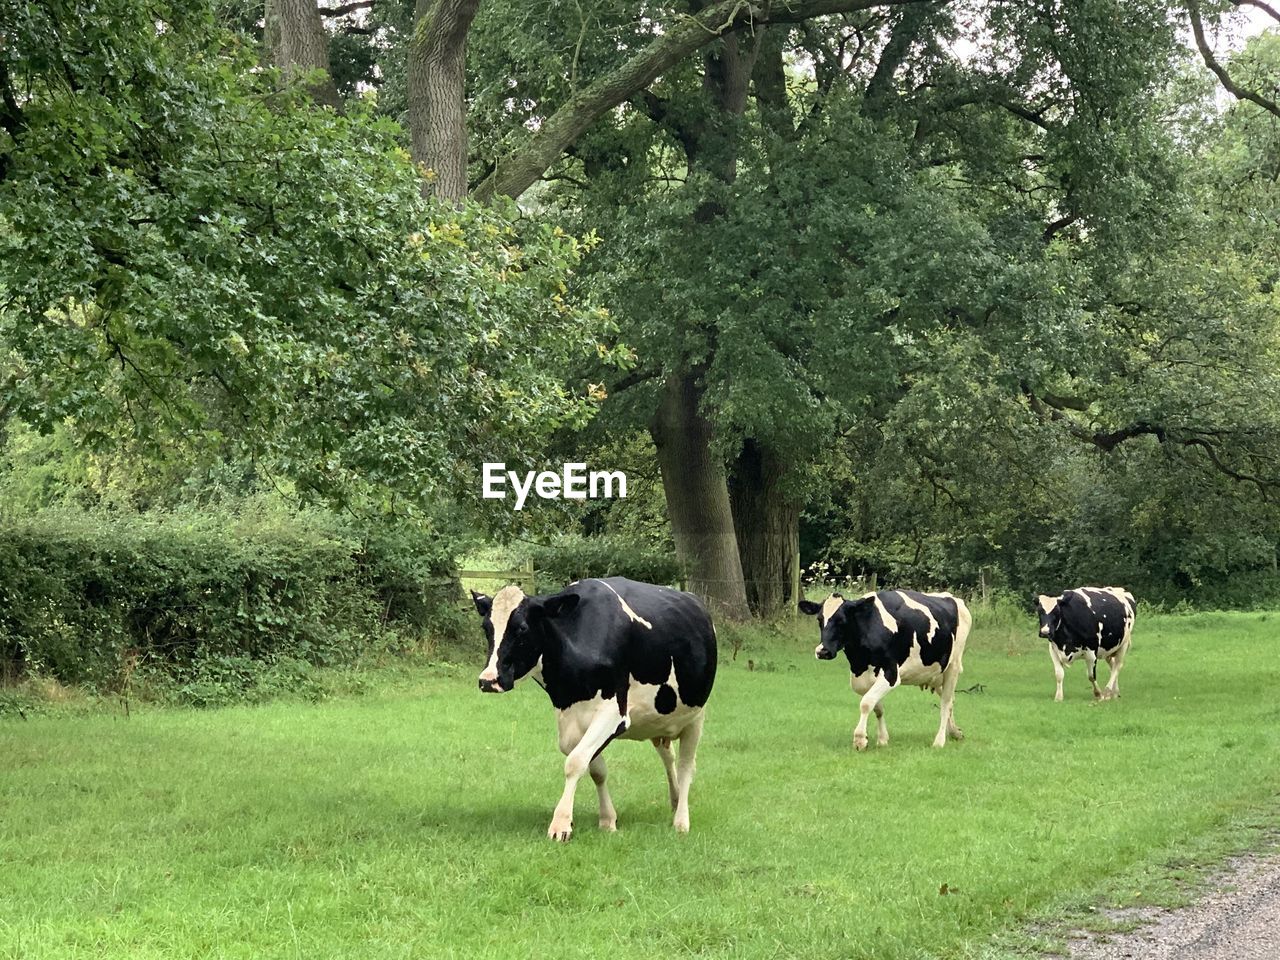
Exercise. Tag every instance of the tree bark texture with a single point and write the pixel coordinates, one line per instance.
(297, 43)
(437, 94)
(698, 499)
(767, 522)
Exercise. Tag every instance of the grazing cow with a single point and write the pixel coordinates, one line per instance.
(619, 659)
(1091, 622)
(891, 638)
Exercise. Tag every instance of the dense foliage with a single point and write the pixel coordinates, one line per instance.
(569, 558)
(944, 291)
(190, 255)
(201, 605)
(992, 292)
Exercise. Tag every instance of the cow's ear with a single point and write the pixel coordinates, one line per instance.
(483, 603)
(809, 607)
(559, 604)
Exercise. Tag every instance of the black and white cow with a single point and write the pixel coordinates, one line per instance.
(619, 659)
(892, 638)
(1091, 622)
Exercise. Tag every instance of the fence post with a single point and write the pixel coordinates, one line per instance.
(528, 583)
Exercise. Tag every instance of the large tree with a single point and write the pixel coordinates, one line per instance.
(810, 183)
(809, 206)
(190, 256)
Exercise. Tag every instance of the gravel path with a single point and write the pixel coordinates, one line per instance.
(1238, 920)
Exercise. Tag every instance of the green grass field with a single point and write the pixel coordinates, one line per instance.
(410, 822)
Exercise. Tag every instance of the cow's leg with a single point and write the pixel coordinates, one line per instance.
(1115, 662)
(606, 723)
(1057, 671)
(1091, 659)
(663, 746)
(870, 700)
(947, 699)
(608, 816)
(684, 772)
(882, 731)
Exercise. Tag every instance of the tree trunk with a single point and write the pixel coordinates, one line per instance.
(767, 522)
(437, 94)
(698, 499)
(297, 43)
(880, 88)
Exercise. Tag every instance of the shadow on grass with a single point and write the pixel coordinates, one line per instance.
(464, 818)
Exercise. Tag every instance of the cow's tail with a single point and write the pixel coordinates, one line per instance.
(964, 621)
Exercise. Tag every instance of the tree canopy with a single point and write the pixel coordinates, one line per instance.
(935, 289)
(190, 255)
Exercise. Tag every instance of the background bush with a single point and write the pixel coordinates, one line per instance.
(209, 606)
(570, 558)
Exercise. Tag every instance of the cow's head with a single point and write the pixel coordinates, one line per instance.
(837, 618)
(1050, 610)
(515, 626)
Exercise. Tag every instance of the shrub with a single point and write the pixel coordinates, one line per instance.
(205, 601)
(571, 558)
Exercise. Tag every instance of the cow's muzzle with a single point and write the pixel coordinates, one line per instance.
(822, 653)
(491, 686)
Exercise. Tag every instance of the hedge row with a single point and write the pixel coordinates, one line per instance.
(91, 601)
(570, 558)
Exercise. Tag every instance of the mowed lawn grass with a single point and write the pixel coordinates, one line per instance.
(412, 823)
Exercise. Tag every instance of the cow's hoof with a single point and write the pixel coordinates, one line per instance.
(939, 744)
(859, 741)
(956, 734)
(560, 832)
(882, 741)
(1057, 698)
(609, 826)
(681, 824)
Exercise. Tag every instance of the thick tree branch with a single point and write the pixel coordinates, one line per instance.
(344, 8)
(1064, 403)
(1206, 52)
(1058, 225)
(11, 119)
(904, 33)
(1264, 485)
(1265, 7)
(521, 168)
(633, 379)
(769, 81)
(1031, 116)
(1050, 409)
